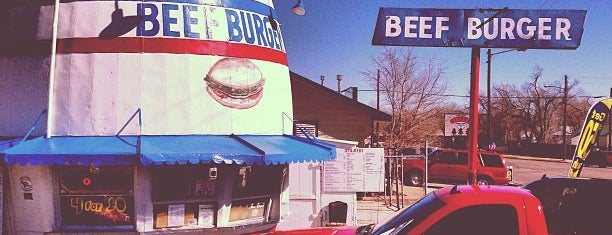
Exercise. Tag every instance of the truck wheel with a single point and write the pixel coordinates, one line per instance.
(413, 178)
(483, 180)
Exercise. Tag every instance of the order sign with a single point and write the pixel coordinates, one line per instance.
(355, 170)
(97, 210)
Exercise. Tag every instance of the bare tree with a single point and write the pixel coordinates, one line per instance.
(531, 112)
(411, 91)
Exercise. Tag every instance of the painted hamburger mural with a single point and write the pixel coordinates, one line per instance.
(235, 83)
(191, 67)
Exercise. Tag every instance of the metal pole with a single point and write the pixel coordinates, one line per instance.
(565, 118)
(378, 90)
(50, 109)
(610, 127)
(426, 175)
(473, 128)
(377, 104)
(489, 115)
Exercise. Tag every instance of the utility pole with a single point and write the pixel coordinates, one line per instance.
(610, 127)
(489, 115)
(565, 118)
(489, 110)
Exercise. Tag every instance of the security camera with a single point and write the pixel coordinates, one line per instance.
(212, 173)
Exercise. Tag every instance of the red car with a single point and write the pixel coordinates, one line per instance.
(464, 209)
(451, 165)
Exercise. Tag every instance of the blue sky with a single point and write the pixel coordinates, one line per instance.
(334, 37)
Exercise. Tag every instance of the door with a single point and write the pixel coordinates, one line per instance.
(460, 168)
(304, 196)
(442, 164)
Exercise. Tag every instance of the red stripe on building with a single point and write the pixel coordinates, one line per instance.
(167, 45)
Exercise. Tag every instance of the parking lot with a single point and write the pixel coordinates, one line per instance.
(374, 208)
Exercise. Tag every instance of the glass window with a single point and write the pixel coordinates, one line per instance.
(184, 182)
(409, 217)
(491, 160)
(462, 159)
(590, 201)
(184, 196)
(478, 220)
(447, 157)
(249, 210)
(96, 196)
(257, 181)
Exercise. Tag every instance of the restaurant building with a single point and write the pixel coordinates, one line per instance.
(159, 117)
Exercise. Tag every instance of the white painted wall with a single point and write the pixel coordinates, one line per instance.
(308, 204)
(35, 216)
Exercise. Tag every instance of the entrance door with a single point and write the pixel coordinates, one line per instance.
(304, 196)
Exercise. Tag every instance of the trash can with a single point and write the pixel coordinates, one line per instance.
(337, 213)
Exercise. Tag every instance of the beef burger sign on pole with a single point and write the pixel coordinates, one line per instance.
(501, 28)
(476, 28)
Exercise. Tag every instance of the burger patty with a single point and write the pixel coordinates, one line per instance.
(234, 92)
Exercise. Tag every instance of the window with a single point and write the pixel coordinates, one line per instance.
(489, 160)
(254, 187)
(96, 196)
(184, 182)
(447, 157)
(249, 210)
(462, 159)
(405, 220)
(184, 196)
(478, 220)
(306, 128)
(257, 181)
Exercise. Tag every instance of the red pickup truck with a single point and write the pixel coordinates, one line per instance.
(465, 209)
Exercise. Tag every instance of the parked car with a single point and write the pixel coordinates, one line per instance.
(599, 157)
(459, 209)
(451, 165)
(575, 205)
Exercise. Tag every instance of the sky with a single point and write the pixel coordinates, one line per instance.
(335, 37)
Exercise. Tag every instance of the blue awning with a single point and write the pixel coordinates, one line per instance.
(233, 149)
(169, 150)
(6, 144)
(71, 150)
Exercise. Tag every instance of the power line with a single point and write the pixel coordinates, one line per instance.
(492, 97)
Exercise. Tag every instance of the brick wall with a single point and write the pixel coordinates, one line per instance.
(336, 115)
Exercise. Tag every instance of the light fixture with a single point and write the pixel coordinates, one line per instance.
(272, 20)
(298, 8)
(120, 24)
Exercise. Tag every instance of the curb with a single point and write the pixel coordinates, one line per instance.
(536, 158)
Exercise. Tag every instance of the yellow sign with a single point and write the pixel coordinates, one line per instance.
(593, 124)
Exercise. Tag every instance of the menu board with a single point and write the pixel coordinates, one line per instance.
(355, 170)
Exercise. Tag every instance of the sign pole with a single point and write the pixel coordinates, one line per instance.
(473, 127)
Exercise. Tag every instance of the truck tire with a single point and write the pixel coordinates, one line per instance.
(483, 180)
(413, 178)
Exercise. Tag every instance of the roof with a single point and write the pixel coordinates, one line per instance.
(376, 114)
